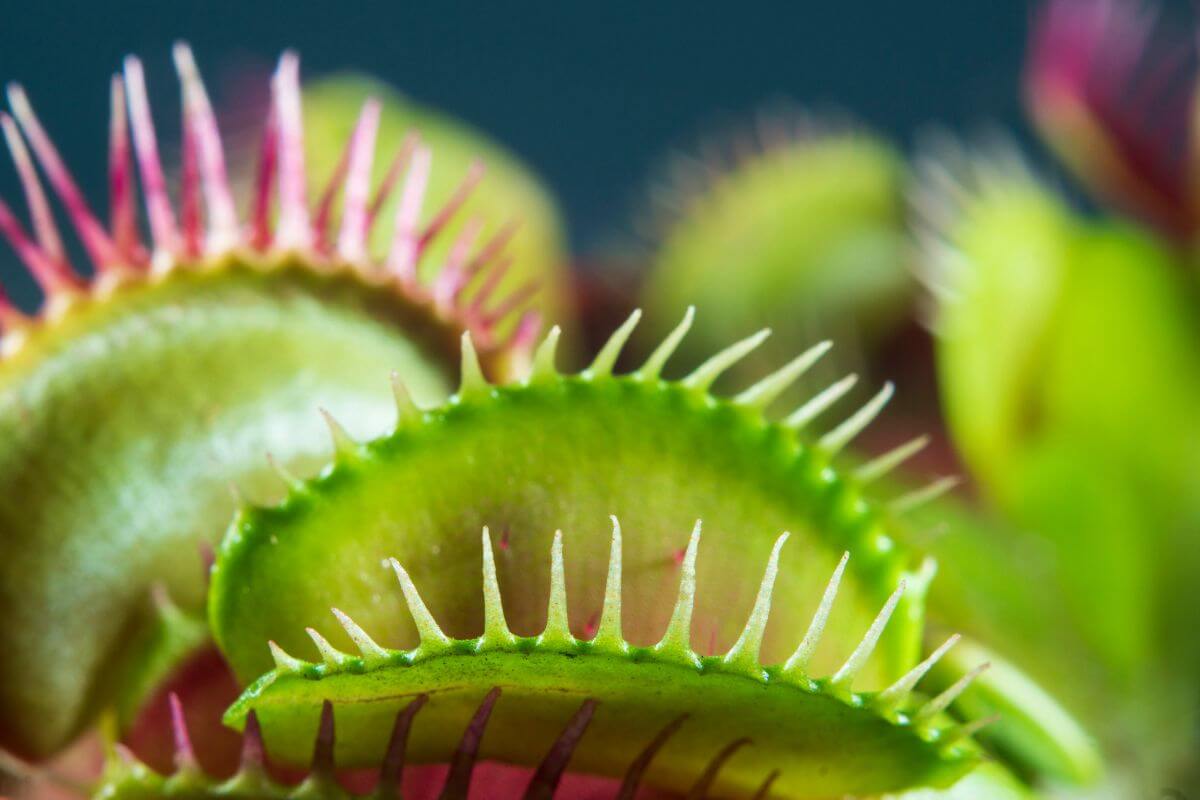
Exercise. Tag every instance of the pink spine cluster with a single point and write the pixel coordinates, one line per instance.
(204, 221)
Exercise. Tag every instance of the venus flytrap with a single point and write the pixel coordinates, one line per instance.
(513, 456)
(741, 663)
(137, 396)
(510, 198)
(800, 226)
(1054, 332)
(816, 735)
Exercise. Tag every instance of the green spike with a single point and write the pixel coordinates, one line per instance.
(845, 676)
(292, 483)
(882, 465)
(820, 403)
(544, 367)
(406, 407)
(676, 643)
(920, 580)
(472, 381)
(653, 367)
(432, 638)
(344, 445)
(558, 630)
(704, 375)
(967, 730)
(608, 355)
(283, 661)
(842, 435)
(495, 629)
(329, 654)
(608, 632)
(797, 665)
(250, 781)
(367, 646)
(898, 692)
(744, 655)
(940, 703)
(761, 394)
(926, 494)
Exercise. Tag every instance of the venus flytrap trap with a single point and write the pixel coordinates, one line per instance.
(627, 641)
(1055, 332)
(134, 399)
(1040, 405)
(516, 456)
(812, 736)
(797, 224)
(371, 622)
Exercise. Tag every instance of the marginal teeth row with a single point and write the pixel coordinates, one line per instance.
(761, 394)
(744, 655)
(430, 633)
(926, 494)
(707, 373)
(675, 646)
(206, 222)
(322, 778)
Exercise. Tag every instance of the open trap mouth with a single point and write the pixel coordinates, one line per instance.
(602, 706)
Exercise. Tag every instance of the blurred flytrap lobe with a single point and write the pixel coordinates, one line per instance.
(135, 398)
(796, 223)
(1068, 370)
(1068, 363)
(1069, 360)
(1113, 91)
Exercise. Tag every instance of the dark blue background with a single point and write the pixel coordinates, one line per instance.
(592, 95)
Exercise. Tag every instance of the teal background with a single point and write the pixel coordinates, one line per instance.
(592, 95)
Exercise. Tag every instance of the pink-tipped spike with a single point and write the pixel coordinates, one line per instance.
(185, 756)
(322, 759)
(493, 249)
(399, 163)
(48, 265)
(100, 248)
(402, 258)
(544, 783)
(264, 181)
(525, 336)
(392, 769)
(44, 229)
(456, 201)
(452, 277)
(293, 231)
(222, 216)
(706, 780)
(122, 208)
(462, 764)
(633, 775)
(352, 241)
(189, 194)
(324, 211)
(490, 283)
(253, 751)
(51, 276)
(514, 301)
(145, 144)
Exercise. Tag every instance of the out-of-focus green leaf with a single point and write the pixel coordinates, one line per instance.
(805, 237)
(1069, 358)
